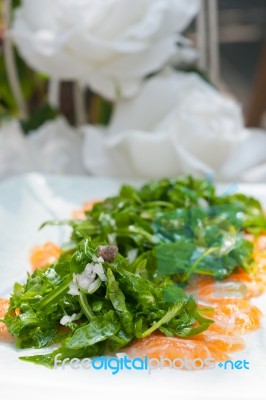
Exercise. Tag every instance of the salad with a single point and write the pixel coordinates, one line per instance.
(168, 262)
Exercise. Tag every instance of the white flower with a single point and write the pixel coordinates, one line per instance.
(13, 150)
(110, 45)
(132, 255)
(177, 124)
(54, 147)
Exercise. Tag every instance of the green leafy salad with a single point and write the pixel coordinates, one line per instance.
(122, 275)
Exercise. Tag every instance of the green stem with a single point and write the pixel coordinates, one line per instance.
(85, 306)
(159, 203)
(132, 230)
(187, 332)
(166, 318)
(51, 297)
(196, 263)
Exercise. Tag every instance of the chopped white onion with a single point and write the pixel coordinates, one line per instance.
(131, 255)
(67, 319)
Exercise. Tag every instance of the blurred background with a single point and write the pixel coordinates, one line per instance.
(242, 64)
(166, 87)
(242, 54)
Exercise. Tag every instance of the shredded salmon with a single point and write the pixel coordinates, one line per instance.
(80, 213)
(157, 346)
(4, 334)
(44, 255)
(233, 314)
(238, 286)
(17, 311)
(223, 341)
(218, 341)
(260, 256)
(240, 317)
(260, 243)
(254, 282)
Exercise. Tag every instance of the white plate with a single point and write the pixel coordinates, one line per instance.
(27, 201)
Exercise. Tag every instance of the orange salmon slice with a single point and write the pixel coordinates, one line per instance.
(240, 285)
(260, 243)
(240, 317)
(255, 283)
(156, 346)
(44, 255)
(80, 213)
(223, 341)
(4, 334)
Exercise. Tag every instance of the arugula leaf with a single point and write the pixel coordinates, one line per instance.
(99, 329)
(126, 306)
(62, 354)
(117, 298)
(170, 214)
(171, 313)
(174, 228)
(174, 258)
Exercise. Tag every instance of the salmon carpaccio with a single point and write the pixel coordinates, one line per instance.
(80, 213)
(157, 345)
(232, 312)
(4, 334)
(44, 255)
